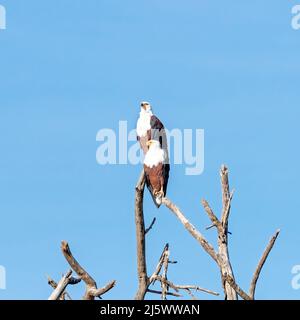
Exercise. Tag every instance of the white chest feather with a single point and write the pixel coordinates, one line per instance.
(154, 157)
(143, 123)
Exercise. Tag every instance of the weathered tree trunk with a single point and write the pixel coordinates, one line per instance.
(225, 265)
(141, 239)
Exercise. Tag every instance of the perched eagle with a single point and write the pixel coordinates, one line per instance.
(156, 171)
(149, 127)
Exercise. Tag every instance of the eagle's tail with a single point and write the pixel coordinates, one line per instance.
(156, 199)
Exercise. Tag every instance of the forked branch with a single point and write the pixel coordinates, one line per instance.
(92, 291)
(59, 288)
(166, 285)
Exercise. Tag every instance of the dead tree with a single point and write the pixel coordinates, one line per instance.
(91, 292)
(221, 257)
(161, 271)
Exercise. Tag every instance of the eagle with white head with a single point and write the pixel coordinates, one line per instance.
(156, 171)
(149, 127)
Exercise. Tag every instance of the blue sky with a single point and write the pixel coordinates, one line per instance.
(69, 68)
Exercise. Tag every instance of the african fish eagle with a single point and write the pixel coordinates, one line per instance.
(156, 171)
(149, 127)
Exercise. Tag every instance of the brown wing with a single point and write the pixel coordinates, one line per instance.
(157, 179)
(166, 173)
(157, 129)
(158, 133)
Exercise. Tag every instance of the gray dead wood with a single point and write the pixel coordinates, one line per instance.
(143, 281)
(92, 291)
(261, 264)
(221, 257)
(65, 294)
(61, 286)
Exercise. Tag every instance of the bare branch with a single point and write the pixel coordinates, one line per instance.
(226, 196)
(61, 286)
(91, 286)
(215, 221)
(168, 293)
(226, 212)
(65, 294)
(225, 185)
(191, 229)
(76, 266)
(261, 264)
(159, 265)
(51, 282)
(210, 227)
(196, 288)
(164, 286)
(100, 292)
(184, 287)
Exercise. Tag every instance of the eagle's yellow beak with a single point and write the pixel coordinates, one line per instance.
(149, 143)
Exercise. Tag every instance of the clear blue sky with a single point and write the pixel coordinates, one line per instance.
(69, 68)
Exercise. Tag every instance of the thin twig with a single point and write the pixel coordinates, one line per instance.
(197, 288)
(151, 226)
(159, 265)
(164, 286)
(215, 221)
(210, 227)
(168, 293)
